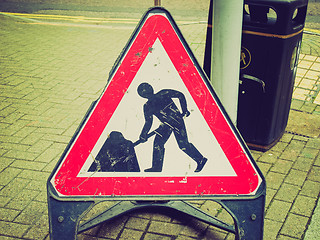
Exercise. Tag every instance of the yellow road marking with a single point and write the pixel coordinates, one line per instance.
(80, 18)
(312, 30)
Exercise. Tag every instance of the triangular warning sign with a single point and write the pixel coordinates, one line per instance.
(158, 129)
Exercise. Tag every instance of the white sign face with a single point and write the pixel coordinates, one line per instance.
(128, 118)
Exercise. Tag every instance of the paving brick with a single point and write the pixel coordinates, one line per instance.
(283, 237)
(3, 105)
(40, 146)
(313, 143)
(56, 138)
(22, 199)
(298, 137)
(8, 174)
(264, 167)
(216, 233)
(256, 154)
(25, 130)
(182, 237)
(152, 236)
(71, 130)
(31, 165)
(270, 195)
(194, 228)
(137, 223)
(287, 192)
(48, 155)
(7, 238)
(278, 210)
(269, 157)
(33, 175)
(32, 213)
(271, 229)
(279, 147)
(274, 180)
(294, 226)
(293, 150)
(21, 153)
(4, 200)
(13, 229)
(281, 166)
(165, 228)
(39, 230)
(290, 155)
(310, 189)
(2, 152)
(211, 207)
(8, 214)
(305, 64)
(12, 117)
(15, 150)
(303, 164)
(314, 75)
(317, 161)
(230, 236)
(161, 217)
(6, 112)
(296, 177)
(314, 174)
(112, 229)
(14, 187)
(89, 235)
(36, 185)
(224, 216)
(50, 166)
(309, 152)
(31, 139)
(14, 139)
(310, 58)
(303, 206)
(130, 234)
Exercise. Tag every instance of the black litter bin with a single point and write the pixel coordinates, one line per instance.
(271, 39)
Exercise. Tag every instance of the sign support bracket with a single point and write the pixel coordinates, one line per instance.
(181, 207)
(64, 217)
(247, 213)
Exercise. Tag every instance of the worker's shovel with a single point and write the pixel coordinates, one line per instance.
(117, 155)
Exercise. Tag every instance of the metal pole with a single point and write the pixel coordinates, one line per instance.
(157, 3)
(226, 47)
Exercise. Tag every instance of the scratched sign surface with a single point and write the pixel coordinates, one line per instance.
(157, 129)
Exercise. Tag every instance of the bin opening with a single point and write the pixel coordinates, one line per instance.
(259, 14)
(299, 16)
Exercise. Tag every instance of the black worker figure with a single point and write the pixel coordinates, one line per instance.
(161, 105)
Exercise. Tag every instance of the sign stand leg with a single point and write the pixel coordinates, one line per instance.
(63, 217)
(248, 215)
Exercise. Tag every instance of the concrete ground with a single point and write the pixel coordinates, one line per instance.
(54, 63)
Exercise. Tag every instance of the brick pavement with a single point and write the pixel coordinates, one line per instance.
(52, 71)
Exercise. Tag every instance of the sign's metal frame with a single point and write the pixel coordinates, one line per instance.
(65, 212)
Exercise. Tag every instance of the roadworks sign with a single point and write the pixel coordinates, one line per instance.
(158, 128)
